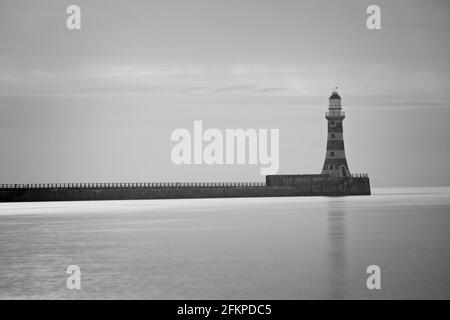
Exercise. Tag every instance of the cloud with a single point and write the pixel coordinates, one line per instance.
(247, 87)
(217, 81)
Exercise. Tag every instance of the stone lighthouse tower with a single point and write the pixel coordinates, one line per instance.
(335, 162)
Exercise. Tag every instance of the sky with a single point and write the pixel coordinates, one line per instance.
(99, 104)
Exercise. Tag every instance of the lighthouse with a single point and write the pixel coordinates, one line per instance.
(335, 162)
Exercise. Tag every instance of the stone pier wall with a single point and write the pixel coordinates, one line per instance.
(275, 186)
(322, 185)
(129, 193)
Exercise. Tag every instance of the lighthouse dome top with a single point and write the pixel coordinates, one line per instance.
(334, 96)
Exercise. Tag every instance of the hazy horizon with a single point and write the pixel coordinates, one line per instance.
(99, 104)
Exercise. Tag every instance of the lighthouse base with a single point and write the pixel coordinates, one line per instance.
(322, 184)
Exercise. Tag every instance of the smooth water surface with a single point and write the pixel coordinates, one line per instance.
(258, 248)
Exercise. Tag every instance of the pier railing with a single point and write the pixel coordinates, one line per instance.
(134, 185)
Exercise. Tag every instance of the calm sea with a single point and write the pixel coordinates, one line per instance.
(260, 248)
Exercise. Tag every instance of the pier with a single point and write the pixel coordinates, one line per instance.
(334, 180)
(275, 186)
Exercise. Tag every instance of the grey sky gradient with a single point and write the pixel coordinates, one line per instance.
(100, 104)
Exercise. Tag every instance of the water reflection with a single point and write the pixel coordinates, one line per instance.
(337, 250)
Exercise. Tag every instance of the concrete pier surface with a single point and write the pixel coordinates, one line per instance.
(275, 186)
(323, 184)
